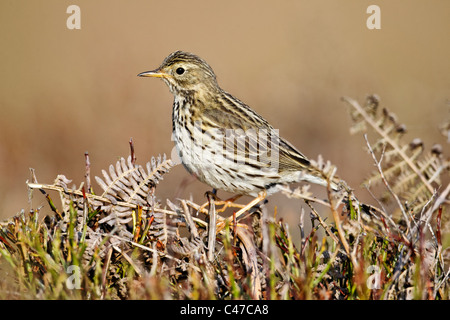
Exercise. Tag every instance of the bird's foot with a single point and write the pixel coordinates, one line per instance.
(228, 203)
(243, 208)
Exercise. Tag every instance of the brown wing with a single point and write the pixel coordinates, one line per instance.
(230, 113)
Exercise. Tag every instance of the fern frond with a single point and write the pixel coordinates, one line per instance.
(130, 183)
(128, 197)
(411, 172)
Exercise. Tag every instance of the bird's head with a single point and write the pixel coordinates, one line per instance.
(184, 72)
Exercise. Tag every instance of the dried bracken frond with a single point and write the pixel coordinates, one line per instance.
(412, 173)
(126, 205)
(130, 183)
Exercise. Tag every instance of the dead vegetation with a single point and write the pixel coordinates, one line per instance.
(124, 243)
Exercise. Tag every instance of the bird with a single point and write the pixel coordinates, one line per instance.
(221, 140)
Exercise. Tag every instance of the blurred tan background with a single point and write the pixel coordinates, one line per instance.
(64, 92)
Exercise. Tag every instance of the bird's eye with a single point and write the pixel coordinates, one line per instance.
(180, 71)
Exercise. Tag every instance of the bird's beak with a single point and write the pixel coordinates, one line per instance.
(154, 73)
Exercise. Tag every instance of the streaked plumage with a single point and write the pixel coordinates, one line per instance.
(204, 114)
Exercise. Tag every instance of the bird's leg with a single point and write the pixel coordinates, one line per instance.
(261, 196)
(229, 203)
(211, 196)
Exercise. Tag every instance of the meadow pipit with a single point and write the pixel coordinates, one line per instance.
(221, 140)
